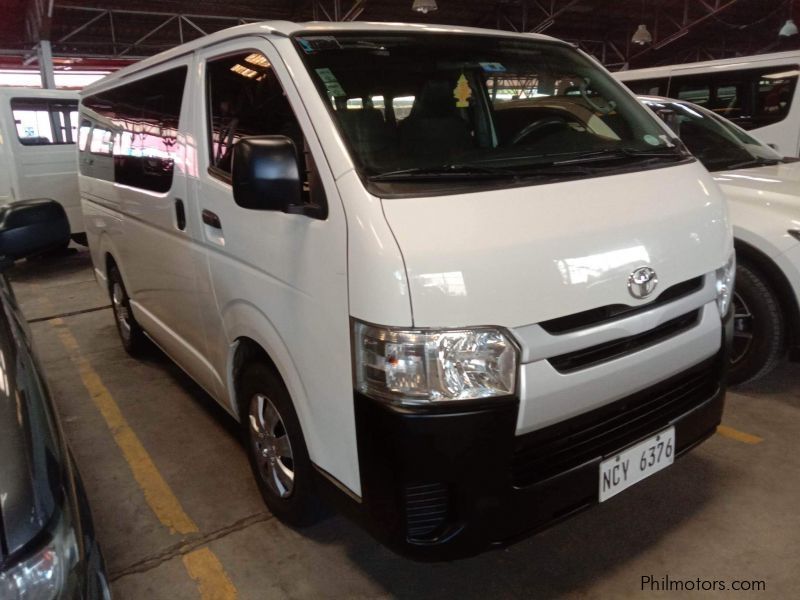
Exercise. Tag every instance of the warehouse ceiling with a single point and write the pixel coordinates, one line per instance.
(108, 33)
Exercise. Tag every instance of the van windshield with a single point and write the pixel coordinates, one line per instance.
(716, 142)
(430, 106)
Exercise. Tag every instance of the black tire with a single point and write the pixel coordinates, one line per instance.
(130, 332)
(296, 504)
(758, 338)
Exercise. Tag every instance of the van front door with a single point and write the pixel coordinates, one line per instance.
(277, 279)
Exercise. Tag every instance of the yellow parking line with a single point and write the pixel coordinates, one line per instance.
(202, 564)
(156, 491)
(739, 436)
(204, 567)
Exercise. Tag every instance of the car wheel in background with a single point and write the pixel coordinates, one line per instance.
(758, 327)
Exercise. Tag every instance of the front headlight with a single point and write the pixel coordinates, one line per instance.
(423, 366)
(43, 575)
(726, 276)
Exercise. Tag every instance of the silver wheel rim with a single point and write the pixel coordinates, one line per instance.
(743, 324)
(271, 446)
(121, 311)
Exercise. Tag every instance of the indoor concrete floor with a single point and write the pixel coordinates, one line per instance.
(159, 457)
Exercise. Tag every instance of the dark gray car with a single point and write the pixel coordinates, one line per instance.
(47, 544)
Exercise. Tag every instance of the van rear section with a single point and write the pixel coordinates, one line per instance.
(40, 131)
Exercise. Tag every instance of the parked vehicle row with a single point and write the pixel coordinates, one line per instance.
(460, 282)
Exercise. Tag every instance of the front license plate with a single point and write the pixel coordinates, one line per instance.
(630, 466)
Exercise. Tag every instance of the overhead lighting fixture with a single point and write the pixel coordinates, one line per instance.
(424, 6)
(258, 59)
(244, 71)
(642, 36)
(788, 30)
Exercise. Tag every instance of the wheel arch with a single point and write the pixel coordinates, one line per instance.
(253, 337)
(775, 277)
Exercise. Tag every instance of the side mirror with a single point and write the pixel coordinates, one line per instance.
(266, 173)
(29, 227)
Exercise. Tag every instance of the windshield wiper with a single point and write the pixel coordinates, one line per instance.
(449, 170)
(618, 154)
(755, 162)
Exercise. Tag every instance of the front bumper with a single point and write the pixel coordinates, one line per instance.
(440, 484)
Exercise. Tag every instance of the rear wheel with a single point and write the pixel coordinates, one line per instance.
(130, 333)
(758, 327)
(276, 447)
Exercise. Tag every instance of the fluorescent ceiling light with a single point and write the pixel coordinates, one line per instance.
(424, 6)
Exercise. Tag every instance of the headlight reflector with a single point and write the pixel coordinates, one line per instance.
(422, 366)
(725, 279)
(43, 575)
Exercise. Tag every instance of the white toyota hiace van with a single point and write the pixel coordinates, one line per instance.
(38, 133)
(459, 280)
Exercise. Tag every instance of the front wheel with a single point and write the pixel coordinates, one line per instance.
(758, 327)
(276, 447)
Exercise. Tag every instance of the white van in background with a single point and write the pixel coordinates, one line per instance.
(463, 324)
(38, 133)
(758, 93)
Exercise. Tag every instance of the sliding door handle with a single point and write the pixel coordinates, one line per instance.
(180, 214)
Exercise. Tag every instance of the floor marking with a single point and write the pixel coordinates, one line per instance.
(739, 436)
(69, 314)
(204, 567)
(156, 491)
(202, 564)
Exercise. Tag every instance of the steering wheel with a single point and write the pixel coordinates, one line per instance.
(582, 86)
(535, 126)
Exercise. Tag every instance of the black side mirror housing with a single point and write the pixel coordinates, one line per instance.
(266, 173)
(30, 227)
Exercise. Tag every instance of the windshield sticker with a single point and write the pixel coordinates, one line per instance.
(317, 43)
(652, 140)
(492, 67)
(331, 83)
(462, 92)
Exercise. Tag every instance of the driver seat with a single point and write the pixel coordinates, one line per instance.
(434, 129)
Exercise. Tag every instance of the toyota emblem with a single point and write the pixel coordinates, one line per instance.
(642, 282)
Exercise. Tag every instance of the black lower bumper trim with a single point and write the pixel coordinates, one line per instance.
(444, 484)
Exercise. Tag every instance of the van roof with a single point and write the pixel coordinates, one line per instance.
(287, 28)
(739, 61)
(31, 92)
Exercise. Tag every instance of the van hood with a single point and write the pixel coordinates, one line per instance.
(517, 256)
(765, 185)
